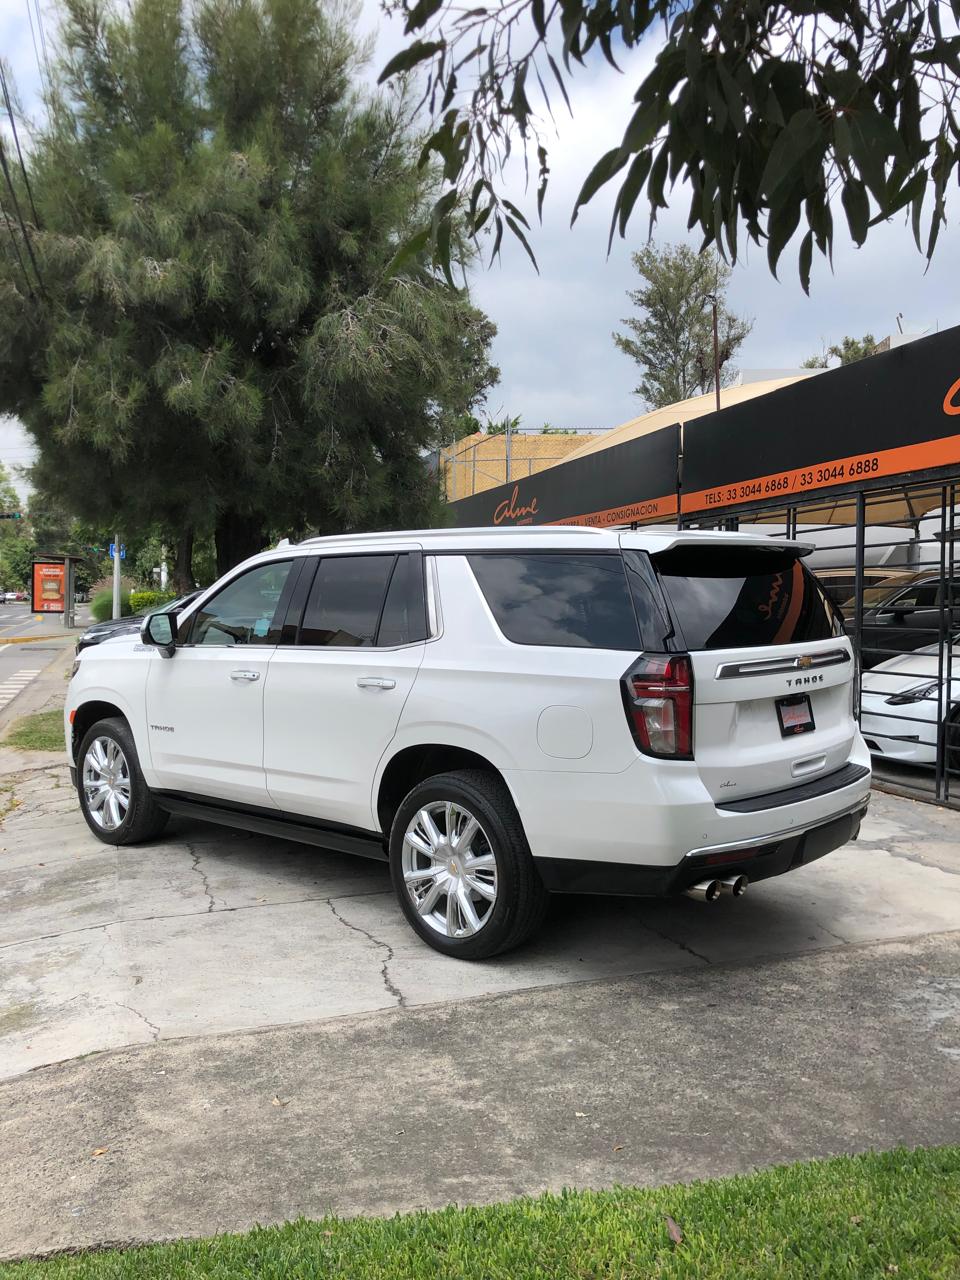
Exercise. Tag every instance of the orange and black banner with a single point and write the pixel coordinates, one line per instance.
(889, 415)
(631, 482)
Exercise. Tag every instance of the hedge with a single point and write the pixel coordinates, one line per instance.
(144, 601)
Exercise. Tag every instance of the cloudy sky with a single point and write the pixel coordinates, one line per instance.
(558, 361)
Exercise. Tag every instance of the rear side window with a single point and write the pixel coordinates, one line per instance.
(728, 598)
(578, 601)
(366, 600)
(345, 600)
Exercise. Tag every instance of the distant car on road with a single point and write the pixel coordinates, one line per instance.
(903, 701)
(10, 596)
(101, 631)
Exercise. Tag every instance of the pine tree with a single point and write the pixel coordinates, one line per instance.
(672, 337)
(218, 342)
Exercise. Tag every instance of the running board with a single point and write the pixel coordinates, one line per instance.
(341, 840)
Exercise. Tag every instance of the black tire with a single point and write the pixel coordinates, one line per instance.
(521, 899)
(143, 818)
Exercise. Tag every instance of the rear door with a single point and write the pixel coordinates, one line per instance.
(333, 697)
(772, 669)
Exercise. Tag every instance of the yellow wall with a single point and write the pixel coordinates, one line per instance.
(479, 462)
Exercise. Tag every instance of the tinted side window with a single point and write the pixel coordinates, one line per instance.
(404, 617)
(346, 599)
(656, 629)
(577, 601)
(728, 597)
(244, 611)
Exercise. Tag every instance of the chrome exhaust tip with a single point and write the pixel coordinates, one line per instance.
(705, 891)
(736, 886)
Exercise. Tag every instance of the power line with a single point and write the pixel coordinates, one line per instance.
(23, 226)
(43, 37)
(16, 139)
(33, 37)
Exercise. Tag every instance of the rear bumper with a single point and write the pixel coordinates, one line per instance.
(656, 812)
(760, 860)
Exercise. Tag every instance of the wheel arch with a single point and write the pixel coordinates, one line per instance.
(88, 713)
(413, 763)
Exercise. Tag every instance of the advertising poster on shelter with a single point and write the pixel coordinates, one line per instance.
(48, 588)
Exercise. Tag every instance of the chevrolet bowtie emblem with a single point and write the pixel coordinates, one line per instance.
(804, 663)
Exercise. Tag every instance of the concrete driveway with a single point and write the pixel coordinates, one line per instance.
(210, 930)
(244, 1030)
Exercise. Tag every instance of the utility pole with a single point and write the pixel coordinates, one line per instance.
(716, 349)
(116, 575)
(509, 425)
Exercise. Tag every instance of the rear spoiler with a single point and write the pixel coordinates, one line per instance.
(658, 539)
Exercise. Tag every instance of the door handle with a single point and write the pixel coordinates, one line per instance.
(375, 682)
(247, 676)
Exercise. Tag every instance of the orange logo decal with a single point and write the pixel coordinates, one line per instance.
(950, 400)
(510, 509)
(775, 586)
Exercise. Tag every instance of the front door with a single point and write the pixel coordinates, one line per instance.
(205, 704)
(333, 700)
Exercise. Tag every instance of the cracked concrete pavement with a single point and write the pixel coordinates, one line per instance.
(208, 930)
(213, 971)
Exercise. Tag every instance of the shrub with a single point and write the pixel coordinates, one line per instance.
(144, 601)
(101, 606)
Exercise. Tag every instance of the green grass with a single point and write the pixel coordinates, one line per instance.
(878, 1215)
(42, 732)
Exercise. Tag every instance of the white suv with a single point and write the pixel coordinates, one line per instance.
(497, 713)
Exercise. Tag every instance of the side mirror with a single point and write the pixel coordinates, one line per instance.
(159, 630)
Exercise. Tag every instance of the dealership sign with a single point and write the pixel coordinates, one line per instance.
(630, 482)
(890, 415)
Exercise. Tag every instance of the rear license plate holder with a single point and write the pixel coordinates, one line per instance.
(795, 715)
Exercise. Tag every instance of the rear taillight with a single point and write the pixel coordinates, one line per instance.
(658, 698)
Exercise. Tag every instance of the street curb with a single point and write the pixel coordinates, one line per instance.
(36, 639)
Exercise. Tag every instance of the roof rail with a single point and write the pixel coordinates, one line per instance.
(480, 532)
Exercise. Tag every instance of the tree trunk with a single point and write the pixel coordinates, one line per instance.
(183, 564)
(237, 537)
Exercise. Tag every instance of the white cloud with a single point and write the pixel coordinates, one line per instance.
(554, 347)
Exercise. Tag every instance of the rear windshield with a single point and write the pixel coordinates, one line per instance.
(729, 598)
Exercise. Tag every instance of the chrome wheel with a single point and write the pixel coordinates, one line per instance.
(106, 783)
(449, 869)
